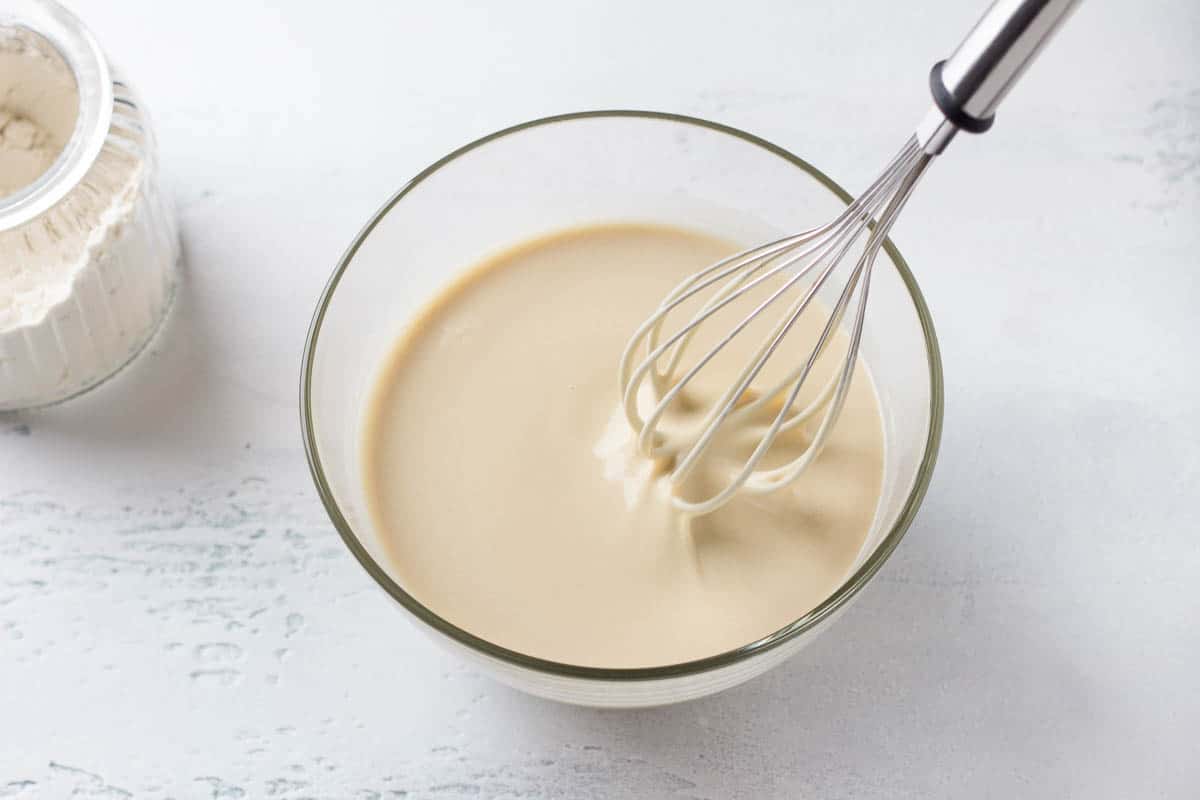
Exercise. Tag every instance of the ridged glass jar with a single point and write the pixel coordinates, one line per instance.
(88, 249)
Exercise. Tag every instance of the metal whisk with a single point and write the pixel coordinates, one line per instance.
(966, 88)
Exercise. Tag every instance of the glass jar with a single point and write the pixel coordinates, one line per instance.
(88, 248)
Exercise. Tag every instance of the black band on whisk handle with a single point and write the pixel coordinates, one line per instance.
(969, 84)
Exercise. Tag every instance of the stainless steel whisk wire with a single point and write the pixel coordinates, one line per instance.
(966, 89)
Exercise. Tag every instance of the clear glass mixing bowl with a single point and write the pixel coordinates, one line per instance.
(583, 168)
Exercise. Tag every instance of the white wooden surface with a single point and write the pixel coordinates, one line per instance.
(177, 618)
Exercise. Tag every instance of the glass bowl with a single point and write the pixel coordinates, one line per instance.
(565, 171)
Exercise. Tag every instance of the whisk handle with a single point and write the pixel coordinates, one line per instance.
(969, 84)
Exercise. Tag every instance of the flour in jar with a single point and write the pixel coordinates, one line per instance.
(39, 103)
(84, 284)
(26, 151)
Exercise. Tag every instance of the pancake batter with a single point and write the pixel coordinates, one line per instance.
(501, 474)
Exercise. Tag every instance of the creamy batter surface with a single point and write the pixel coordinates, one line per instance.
(502, 477)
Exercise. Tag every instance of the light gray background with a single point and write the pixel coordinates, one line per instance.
(178, 619)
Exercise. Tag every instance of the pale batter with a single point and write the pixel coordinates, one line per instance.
(501, 475)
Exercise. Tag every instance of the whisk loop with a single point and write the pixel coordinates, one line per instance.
(791, 259)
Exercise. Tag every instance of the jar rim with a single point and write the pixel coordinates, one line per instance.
(61, 30)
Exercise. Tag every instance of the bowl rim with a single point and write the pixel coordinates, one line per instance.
(811, 619)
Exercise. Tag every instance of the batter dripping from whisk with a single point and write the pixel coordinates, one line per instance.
(504, 479)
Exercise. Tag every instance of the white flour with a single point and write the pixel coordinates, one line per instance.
(38, 106)
(26, 151)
